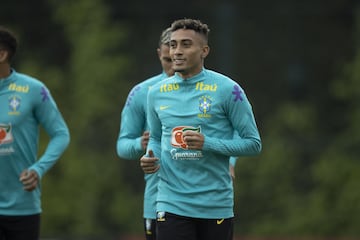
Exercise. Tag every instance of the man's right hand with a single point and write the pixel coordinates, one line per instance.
(149, 164)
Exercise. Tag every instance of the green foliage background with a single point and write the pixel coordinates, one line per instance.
(298, 62)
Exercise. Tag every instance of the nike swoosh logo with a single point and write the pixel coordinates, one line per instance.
(219, 221)
(164, 107)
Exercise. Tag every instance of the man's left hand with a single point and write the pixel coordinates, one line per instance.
(29, 179)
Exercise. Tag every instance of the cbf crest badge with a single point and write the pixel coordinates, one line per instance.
(14, 105)
(205, 103)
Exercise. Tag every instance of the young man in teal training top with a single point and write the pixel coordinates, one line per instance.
(192, 118)
(25, 103)
(134, 134)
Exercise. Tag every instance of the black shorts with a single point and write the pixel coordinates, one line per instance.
(175, 227)
(20, 227)
(150, 229)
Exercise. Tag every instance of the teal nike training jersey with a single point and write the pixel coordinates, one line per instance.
(133, 124)
(25, 103)
(197, 183)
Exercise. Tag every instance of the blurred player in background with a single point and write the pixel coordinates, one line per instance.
(25, 104)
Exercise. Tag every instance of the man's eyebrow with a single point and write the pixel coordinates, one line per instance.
(183, 39)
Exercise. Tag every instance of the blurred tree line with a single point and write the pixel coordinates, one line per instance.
(299, 62)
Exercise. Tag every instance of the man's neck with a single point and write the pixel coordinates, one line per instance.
(5, 70)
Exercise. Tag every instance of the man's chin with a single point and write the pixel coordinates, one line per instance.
(180, 70)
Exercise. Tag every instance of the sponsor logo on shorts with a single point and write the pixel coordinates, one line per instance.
(160, 216)
(219, 221)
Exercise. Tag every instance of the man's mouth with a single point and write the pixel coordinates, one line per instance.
(178, 61)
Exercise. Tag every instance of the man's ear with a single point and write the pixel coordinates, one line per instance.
(158, 51)
(3, 56)
(205, 51)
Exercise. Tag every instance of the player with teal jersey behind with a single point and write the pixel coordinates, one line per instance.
(25, 104)
(134, 134)
(192, 118)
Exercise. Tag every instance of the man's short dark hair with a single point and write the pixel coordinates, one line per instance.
(8, 42)
(192, 24)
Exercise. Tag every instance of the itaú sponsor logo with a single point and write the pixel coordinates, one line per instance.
(169, 87)
(19, 88)
(200, 86)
